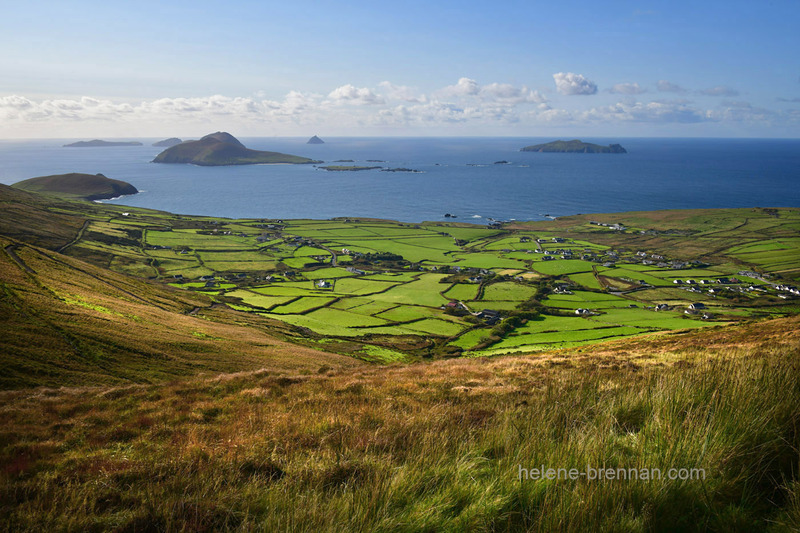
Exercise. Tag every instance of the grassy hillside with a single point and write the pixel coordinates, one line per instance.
(386, 297)
(435, 447)
(64, 322)
(135, 405)
(37, 219)
(76, 185)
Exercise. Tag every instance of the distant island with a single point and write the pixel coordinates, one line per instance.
(347, 168)
(575, 147)
(315, 140)
(77, 186)
(166, 143)
(99, 143)
(221, 149)
(402, 169)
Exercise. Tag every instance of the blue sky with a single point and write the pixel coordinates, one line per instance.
(613, 68)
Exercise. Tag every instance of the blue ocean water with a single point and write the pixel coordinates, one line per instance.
(458, 176)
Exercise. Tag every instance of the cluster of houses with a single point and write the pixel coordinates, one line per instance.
(696, 308)
(615, 227)
(788, 291)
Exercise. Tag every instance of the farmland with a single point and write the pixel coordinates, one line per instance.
(454, 288)
(214, 377)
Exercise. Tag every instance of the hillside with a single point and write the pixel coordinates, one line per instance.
(131, 404)
(448, 446)
(575, 147)
(65, 322)
(220, 149)
(76, 185)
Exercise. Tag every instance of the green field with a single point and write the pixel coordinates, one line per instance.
(404, 274)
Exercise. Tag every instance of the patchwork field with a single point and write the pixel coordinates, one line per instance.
(456, 288)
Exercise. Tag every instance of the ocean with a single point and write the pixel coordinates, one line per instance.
(458, 176)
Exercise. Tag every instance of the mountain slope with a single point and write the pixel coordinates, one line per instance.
(66, 322)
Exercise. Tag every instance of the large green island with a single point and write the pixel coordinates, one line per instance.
(221, 149)
(575, 147)
(77, 186)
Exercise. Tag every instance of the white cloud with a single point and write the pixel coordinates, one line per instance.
(464, 87)
(571, 84)
(350, 94)
(655, 112)
(627, 88)
(401, 92)
(665, 86)
(508, 94)
(348, 109)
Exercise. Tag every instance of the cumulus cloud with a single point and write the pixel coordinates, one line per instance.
(401, 92)
(627, 88)
(349, 108)
(499, 94)
(508, 94)
(665, 86)
(464, 87)
(720, 90)
(350, 94)
(656, 112)
(571, 84)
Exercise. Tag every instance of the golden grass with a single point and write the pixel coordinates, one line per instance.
(429, 447)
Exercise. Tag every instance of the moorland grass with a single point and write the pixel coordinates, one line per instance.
(436, 447)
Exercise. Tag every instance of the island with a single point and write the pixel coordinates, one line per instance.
(98, 143)
(223, 149)
(346, 168)
(167, 143)
(77, 186)
(575, 147)
(402, 169)
(315, 140)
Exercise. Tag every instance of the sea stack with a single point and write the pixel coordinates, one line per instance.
(315, 140)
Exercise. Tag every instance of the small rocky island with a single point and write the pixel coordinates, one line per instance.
(575, 147)
(347, 168)
(315, 140)
(98, 143)
(166, 143)
(222, 149)
(77, 186)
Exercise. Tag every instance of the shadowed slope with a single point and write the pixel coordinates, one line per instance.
(65, 322)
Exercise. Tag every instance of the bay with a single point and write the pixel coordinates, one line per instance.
(457, 176)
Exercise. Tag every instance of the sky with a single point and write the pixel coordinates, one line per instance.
(104, 69)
